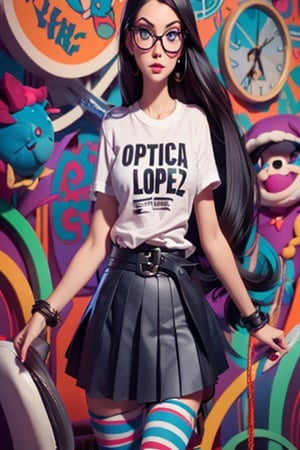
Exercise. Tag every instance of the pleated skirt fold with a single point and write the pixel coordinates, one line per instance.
(138, 341)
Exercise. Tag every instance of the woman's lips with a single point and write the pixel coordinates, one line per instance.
(156, 68)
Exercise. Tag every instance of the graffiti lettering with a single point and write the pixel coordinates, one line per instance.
(58, 29)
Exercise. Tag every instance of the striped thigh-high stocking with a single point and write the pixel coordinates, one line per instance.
(169, 426)
(121, 431)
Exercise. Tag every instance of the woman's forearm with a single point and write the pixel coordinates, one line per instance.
(90, 255)
(82, 267)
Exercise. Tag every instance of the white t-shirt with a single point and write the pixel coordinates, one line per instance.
(154, 168)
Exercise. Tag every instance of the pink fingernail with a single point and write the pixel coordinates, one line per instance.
(273, 356)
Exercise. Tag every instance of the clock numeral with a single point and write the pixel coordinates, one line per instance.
(279, 67)
(234, 63)
(235, 45)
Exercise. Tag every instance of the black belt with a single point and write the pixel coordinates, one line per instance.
(146, 262)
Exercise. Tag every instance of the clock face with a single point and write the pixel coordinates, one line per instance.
(255, 51)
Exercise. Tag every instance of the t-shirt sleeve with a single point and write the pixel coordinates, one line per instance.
(208, 174)
(105, 160)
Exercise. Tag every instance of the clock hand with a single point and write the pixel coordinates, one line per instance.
(257, 29)
(260, 66)
(256, 71)
(270, 39)
(266, 42)
(246, 81)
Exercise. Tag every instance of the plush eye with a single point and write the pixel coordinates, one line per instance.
(38, 131)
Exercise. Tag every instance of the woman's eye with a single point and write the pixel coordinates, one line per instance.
(172, 35)
(144, 33)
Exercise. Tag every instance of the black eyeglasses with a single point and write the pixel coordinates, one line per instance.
(171, 40)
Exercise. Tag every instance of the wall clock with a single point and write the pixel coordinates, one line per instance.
(254, 51)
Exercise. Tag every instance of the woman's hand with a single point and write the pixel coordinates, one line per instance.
(28, 334)
(273, 338)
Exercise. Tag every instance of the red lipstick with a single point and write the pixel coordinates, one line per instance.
(156, 68)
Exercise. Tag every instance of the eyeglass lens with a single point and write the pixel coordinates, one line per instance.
(171, 40)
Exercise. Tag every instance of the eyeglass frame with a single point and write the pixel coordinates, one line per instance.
(156, 37)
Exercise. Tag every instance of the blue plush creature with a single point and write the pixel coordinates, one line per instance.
(26, 133)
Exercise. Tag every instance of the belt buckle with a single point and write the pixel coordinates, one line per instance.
(148, 262)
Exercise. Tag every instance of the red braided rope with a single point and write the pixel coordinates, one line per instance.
(250, 387)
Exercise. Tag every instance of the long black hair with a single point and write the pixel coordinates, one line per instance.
(236, 198)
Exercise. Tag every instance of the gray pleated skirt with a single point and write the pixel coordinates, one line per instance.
(147, 338)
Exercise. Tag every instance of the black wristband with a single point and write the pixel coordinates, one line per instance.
(51, 315)
(255, 321)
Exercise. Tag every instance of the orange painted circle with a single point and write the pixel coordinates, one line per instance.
(59, 40)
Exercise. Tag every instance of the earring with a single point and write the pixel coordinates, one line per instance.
(134, 70)
(181, 64)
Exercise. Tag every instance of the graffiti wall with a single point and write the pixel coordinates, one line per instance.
(58, 71)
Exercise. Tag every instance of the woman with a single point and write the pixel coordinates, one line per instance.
(148, 341)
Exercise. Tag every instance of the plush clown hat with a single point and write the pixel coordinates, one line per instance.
(272, 130)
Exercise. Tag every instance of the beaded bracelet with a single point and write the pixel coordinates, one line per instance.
(255, 321)
(51, 315)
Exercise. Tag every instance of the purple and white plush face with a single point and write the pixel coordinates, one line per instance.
(274, 146)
